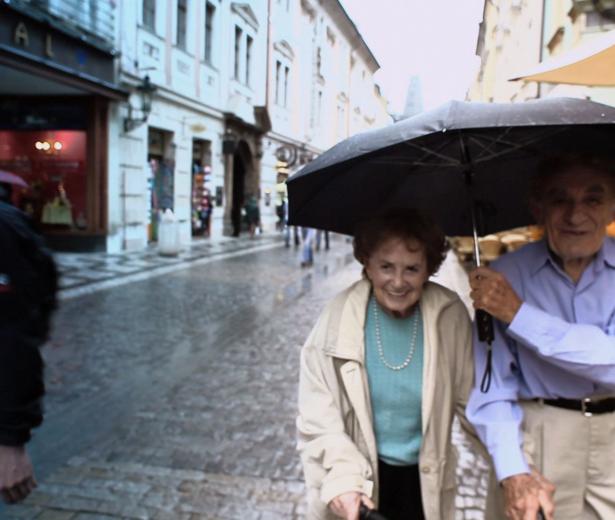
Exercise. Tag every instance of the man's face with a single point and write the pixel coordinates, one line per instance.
(575, 209)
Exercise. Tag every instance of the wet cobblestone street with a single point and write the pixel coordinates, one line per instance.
(174, 397)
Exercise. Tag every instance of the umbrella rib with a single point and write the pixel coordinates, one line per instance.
(450, 161)
(512, 147)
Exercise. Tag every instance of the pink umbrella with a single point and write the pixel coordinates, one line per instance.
(11, 178)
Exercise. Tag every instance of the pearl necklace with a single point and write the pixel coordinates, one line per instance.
(408, 359)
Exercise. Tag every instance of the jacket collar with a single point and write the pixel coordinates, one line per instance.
(346, 337)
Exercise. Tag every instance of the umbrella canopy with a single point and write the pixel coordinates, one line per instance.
(11, 178)
(591, 63)
(461, 155)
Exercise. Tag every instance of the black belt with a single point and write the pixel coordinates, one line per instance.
(586, 406)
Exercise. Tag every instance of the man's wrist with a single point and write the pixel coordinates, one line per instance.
(511, 478)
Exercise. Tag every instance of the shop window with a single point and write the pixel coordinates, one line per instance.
(202, 196)
(53, 164)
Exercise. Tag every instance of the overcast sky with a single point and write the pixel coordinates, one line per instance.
(435, 39)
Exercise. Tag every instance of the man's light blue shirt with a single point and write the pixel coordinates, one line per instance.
(561, 343)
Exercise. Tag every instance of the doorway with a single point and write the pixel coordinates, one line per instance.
(161, 177)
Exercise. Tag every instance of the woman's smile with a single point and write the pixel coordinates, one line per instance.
(398, 271)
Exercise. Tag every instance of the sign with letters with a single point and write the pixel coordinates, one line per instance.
(27, 39)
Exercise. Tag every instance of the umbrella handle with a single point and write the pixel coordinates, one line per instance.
(484, 326)
(369, 514)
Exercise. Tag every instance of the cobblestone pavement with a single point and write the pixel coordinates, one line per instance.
(174, 397)
(83, 273)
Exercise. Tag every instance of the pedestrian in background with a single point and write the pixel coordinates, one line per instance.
(383, 372)
(28, 285)
(319, 235)
(253, 216)
(307, 248)
(549, 415)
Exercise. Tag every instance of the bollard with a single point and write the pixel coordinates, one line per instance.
(168, 234)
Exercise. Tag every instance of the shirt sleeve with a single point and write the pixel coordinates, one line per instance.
(581, 349)
(496, 415)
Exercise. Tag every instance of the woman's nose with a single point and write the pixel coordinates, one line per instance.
(398, 279)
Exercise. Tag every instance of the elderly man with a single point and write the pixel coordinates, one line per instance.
(548, 419)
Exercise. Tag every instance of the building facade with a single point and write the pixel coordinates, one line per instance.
(516, 35)
(245, 93)
(130, 108)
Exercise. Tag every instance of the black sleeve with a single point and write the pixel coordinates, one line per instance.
(21, 365)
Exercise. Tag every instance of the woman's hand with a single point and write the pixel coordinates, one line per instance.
(347, 505)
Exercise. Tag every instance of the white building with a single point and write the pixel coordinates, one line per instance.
(320, 88)
(142, 105)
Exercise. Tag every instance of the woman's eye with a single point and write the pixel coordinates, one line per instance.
(412, 268)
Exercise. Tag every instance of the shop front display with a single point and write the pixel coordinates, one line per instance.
(52, 164)
(57, 147)
(202, 201)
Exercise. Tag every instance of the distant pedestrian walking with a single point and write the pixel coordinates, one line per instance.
(253, 216)
(308, 236)
(319, 235)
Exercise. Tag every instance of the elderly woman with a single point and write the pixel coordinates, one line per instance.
(383, 372)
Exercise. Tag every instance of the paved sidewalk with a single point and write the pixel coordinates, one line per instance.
(82, 273)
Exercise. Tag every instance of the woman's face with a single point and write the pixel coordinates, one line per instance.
(398, 271)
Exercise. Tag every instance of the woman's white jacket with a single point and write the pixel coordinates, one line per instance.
(336, 436)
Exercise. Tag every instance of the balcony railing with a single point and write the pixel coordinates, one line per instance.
(93, 19)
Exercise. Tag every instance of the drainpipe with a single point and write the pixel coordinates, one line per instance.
(542, 44)
(268, 67)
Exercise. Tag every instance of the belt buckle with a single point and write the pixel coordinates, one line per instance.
(584, 410)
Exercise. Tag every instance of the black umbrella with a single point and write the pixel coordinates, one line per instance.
(466, 164)
(445, 161)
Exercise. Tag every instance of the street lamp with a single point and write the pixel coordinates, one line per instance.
(146, 91)
(229, 142)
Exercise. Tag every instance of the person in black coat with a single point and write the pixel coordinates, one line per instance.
(28, 286)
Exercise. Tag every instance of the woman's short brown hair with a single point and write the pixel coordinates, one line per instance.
(408, 225)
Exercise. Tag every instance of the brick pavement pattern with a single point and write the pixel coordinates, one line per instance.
(175, 397)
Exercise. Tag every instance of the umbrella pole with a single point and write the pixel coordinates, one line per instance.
(484, 321)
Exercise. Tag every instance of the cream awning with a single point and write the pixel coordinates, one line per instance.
(592, 63)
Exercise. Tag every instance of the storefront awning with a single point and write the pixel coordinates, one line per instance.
(591, 63)
(29, 45)
(82, 82)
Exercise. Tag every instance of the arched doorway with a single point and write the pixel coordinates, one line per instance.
(242, 176)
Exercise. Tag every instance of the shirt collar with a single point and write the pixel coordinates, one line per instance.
(542, 256)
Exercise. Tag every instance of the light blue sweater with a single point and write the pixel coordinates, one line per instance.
(395, 394)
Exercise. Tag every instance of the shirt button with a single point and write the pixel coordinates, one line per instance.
(425, 469)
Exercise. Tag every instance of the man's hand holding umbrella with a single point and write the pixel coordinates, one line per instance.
(492, 292)
(524, 494)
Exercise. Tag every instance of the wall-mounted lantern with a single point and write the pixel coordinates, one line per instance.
(146, 90)
(229, 142)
